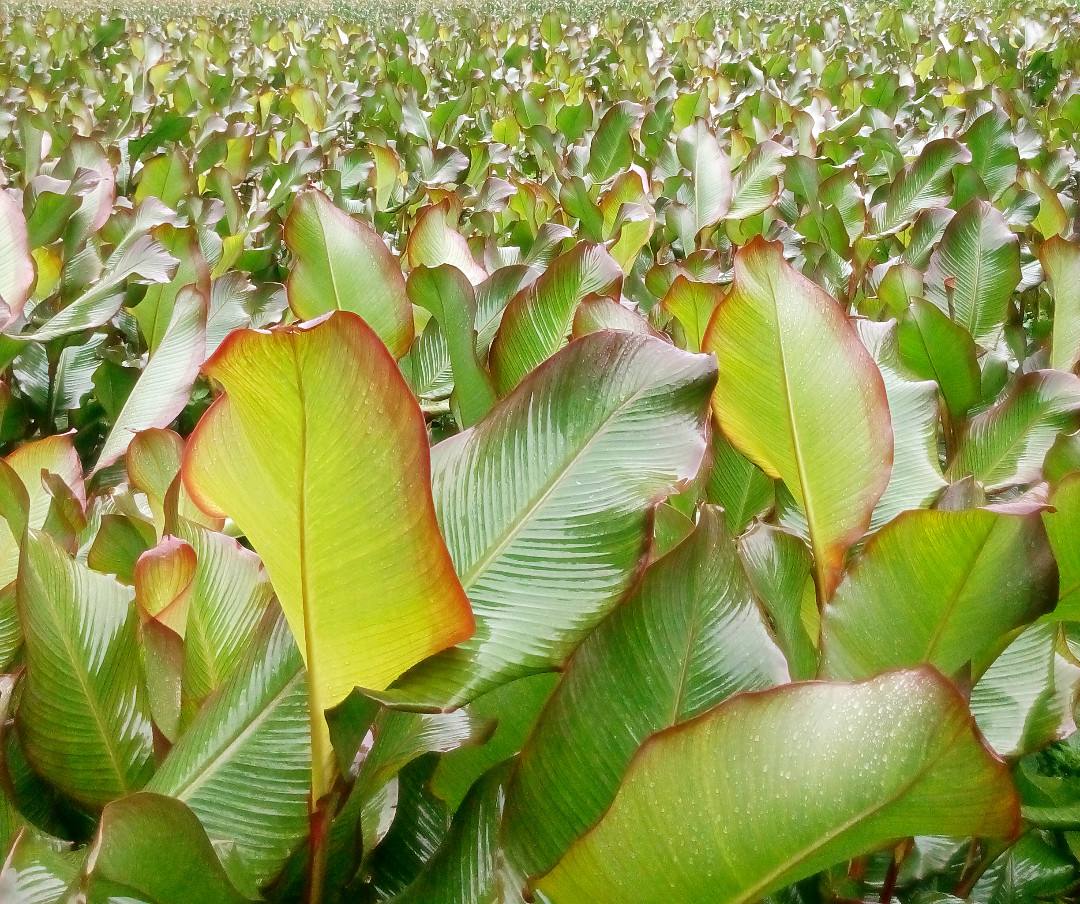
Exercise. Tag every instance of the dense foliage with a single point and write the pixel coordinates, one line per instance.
(483, 459)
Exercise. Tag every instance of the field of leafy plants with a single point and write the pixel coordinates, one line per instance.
(488, 457)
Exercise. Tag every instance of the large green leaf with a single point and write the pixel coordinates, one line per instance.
(538, 320)
(433, 242)
(689, 636)
(612, 147)
(1061, 264)
(340, 263)
(994, 155)
(449, 296)
(941, 587)
(916, 477)
(974, 270)
(152, 848)
(369, 590)
(1006, 444)
(155, 312)
(924, 184)
(164, 386)
(772, 787)
(935, 348)
(757, 182)
(1063, 527)
(710, 174)
(793, 375)
(229, 595)
(243, 766)
(16, 265)
(546, 553)
(83, 717)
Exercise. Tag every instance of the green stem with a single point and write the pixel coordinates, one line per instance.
(321, 801)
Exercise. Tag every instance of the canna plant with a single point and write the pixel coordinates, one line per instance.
(479, 459)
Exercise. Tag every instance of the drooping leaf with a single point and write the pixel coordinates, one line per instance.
(340, 263)
(791, 798)
(689, 637)
(83, 717)
(376, 578)
(780, 397)
(942, 587)
(545, 556)
(433, 242)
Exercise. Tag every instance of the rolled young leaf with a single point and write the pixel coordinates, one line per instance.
(771, 787)
(340, 263)
(353, 551)
(801, 397)
(545, 503)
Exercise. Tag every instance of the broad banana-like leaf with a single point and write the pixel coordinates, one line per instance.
(149, 847)
(34, 872)
(689, 637)
(17, 271)
(596, 314)
(942, 587)
(368, 590)
(538, 320)
(1061, 265)
(994, 155)
(433, 242)
(155, 312)
(449, 296)
(771, 787)
(53, 455)
(83, 718)
(1052, 218)
(738, 485)
(1063, 528)
(340, 263)
(1006, 444)
(612, 147)
(794, 375)
(916, 477)
(166, 177)
(710, 174)
(1026, 699)
(164, 386)
(545, 556)
(466, 868)
(243, 765)
(141, 259)
(692, 304)
(924, 184)
(974, 270)
(781, 574)
(757, 181)
(935, 348)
